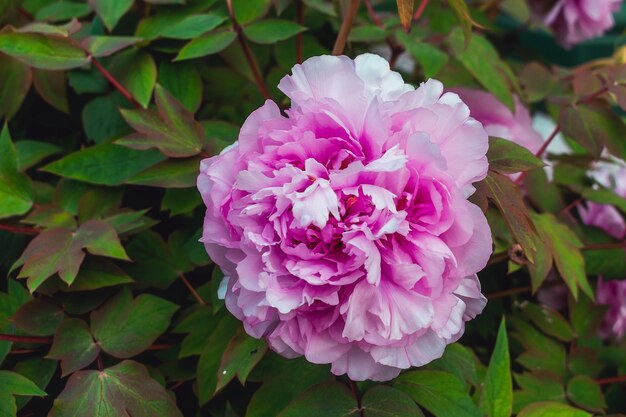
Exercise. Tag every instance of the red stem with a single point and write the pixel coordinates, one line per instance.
(247, 52)
(20, 230)
(541, 151)
(346, 27)
(192, 290)
(506, 293)
(611, 380)
(25, 339)
(592, 96)
(99, 362)
(372, 13)
(605, 246)
(299, 20)
(25, 13)
(357, 397)
(420, 9)
(119, 87)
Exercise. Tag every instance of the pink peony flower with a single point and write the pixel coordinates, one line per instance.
(574, 21)
(499, 120)
(343, 228)
(613, 294)
(611, 175)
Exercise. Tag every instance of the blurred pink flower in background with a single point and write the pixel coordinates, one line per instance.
(613, 294)
(574, 21)
(612, 175)
(343, 229)
(499, 120)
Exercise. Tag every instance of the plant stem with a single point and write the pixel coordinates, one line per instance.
(506, 293)
(592, 96)
(346, 27)
(192, 290)
(25, 339)
(372, 14)
(299, 20)
(247, 52)
(541, 151)
(20, 230)
(357, 396)
(605, 246)
(611, 380)
(119, 87)
(420, 9)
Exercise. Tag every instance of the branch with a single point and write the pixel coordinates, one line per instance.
(299, 19)
(611, 380)
(506, 293)
(25, 339)
(119, 87)
(605, 246)
(247, 52)
(346, 27)
(192, 290)
(372, 13)
(420, 9)
(541, 151)
(20, 230)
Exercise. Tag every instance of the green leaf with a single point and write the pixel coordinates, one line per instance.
(207, 44)
(369, 33)
(384, 401)
(111, 11)
(460, 361)
(283, 380)
(198, 326)
(61, 251)
(575, 123)
(507, 157)
(428, 56)
(177, 173)
(193, 26)
(137, 72)
(98, 273)
(586, 393)
(506, 196)
(30, 152)
(240, 357)
(52, 87)
(101, 119)
(38, 317)
(218, 134)
(551, 409)
(16, 194)
(62, 10)
(153, 263)
(481, 59)
(536, 387)
(16, 384)
(331, 399)
(463, 16)
(248, 10)
(542, 353)
(180, 200)
(124, 327)
(105, 164)
(38, 370)
(102, 46)
(441, 393)
(74, 346)
(210, 358)
(272, 30)
(15, 82)
(497, 395)
(565, 247)
(172, 129)
(183, 80)
(41, 51)
(548, 320)
(125, 389)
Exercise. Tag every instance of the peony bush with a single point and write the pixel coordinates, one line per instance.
(294, 208)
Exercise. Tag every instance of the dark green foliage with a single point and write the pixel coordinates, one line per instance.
(108, 302)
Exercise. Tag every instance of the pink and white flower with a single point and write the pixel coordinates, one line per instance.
(574, 21)
(343, 228)
(613, 295)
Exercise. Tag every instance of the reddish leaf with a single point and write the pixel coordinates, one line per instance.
(405, 12)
